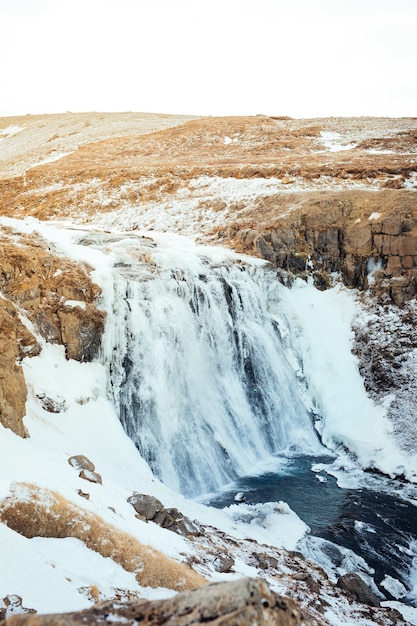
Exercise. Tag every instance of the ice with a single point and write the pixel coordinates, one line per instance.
(322, 338)
(394, 587)
(272, 523)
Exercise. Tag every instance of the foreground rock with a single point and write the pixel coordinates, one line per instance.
(239, 603)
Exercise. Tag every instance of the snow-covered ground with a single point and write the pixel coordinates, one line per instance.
(63, 570)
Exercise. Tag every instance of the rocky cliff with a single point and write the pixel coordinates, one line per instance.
(367, 237)
(45, 297)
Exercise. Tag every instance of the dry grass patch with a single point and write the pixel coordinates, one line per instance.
(35, 512)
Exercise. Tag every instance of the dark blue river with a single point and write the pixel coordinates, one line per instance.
(379, 527)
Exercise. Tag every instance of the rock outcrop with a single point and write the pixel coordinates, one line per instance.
(369, 238)
(239, 603)
(16, 342)
(54, 294)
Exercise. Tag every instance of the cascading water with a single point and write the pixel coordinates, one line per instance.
(199, 372)
(212, 364)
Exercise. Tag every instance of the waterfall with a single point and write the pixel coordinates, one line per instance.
(198, 368)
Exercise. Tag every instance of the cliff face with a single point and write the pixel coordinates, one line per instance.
(53, 295)
(367, 237)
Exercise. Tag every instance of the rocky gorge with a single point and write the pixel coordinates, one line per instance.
(327, 200)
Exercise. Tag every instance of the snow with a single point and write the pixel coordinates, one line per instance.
(89, 426)
(408, 612)
(29, 573)
(92, 428)
(271, 523)
(394, 587)
(50, 159)
(332, 141)
(411, 181)
(75, 303)
(375, 151)
(10, 131)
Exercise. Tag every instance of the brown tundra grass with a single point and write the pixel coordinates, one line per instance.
(35, 512)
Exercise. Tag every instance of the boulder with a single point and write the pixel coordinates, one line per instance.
(241, 602)
(357, 588)
(149, 508)
(92, 477)
(145, 506)
(86, 467)
(81, 462)
(52, 405)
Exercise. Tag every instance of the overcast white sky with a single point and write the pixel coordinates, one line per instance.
(303, 58)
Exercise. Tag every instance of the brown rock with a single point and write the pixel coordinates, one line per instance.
(92, 477)
(241, 602)
(223, 563)
(407, 245)
(81, 332)
(358, 240)
(408, 262)
(358, 589)
(150, 508)
(394, 265)
(81, 462)
(392, 226)
(145, 506)
(40, 282)
(15, 342)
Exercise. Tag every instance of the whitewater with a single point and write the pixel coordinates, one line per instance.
(216, 369)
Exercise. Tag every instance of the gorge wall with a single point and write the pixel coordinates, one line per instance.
(354, 234)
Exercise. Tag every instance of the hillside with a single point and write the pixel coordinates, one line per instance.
(332, 202)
